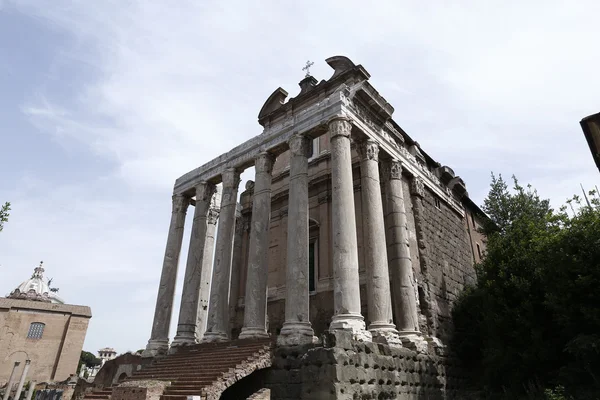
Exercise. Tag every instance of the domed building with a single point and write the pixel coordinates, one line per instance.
(37, 288)
(41, 336)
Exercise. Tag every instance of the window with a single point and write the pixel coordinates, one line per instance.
(312, 270)
(473, 219)
(437, 203)
(36, 330)
(478, 250)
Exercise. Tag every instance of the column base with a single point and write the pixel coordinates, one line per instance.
(181, 341)
(253, 333)
(211, 337)
(352, 323)
(296, 334)
(415, 341)
(156, 348)
(385, 334)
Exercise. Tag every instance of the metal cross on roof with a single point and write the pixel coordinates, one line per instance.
(307, 68)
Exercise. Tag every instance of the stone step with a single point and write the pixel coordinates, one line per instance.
(181, 378)
(193, 367)
(189, 386)
(185, 392)
(201, 347)
(172, 397)
(200, 360)
(206, 354)
(205, 360)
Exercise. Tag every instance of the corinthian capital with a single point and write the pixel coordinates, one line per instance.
(392, 170)
(205, 191)
(339, 127)
(231, 178)
(213, 215)
(180, 203)
(368, 150)
(299, 145)
(417, 187)
(264, 163)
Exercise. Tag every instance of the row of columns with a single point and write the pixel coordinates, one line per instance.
(297, 328)
(13, 377)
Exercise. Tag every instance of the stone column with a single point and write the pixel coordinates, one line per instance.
(159, 338)
(255, 304)
(297, 329)
(346, 286)
(11, 381)
(401, 272)
(218, 309)
(241, 226)
(31, 390)
(188, 311)
(207, 263)
(378, 278)
(22, 381)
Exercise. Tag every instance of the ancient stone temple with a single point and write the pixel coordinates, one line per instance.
(346, 250)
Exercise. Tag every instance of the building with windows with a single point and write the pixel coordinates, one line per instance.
(107, 353)
(40, 331)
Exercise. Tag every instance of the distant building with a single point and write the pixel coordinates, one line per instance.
(107, 353)
(591, 130)
(37, 325)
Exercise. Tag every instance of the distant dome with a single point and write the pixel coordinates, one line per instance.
(36, 288)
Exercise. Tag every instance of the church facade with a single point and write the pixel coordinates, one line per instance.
(41, 337)
(348, 226)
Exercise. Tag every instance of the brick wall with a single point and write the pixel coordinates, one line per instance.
(56, 354)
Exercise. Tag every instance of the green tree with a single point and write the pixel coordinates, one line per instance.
(4, 213)
(532, 320)
(88, 359)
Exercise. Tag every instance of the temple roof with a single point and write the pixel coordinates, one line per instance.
(36, 288)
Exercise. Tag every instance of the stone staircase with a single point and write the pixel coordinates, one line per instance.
(100, 394)
(207, 369)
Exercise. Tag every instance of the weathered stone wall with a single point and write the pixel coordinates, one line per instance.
(445, 259)
(474, 224)
(351, 370)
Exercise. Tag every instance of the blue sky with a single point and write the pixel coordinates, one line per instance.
(104, 104)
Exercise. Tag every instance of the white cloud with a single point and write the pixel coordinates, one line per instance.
(157, 88)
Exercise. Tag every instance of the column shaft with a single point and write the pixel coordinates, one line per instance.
(346, 285)
(31, 390)
(159, 338)
(205, 278)
(218, 309)
(297, 328)
(401, 272)
(378, 277)
(255, 304)
(188, 311)
(241, 224)
(22, 380)
(11, 381)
